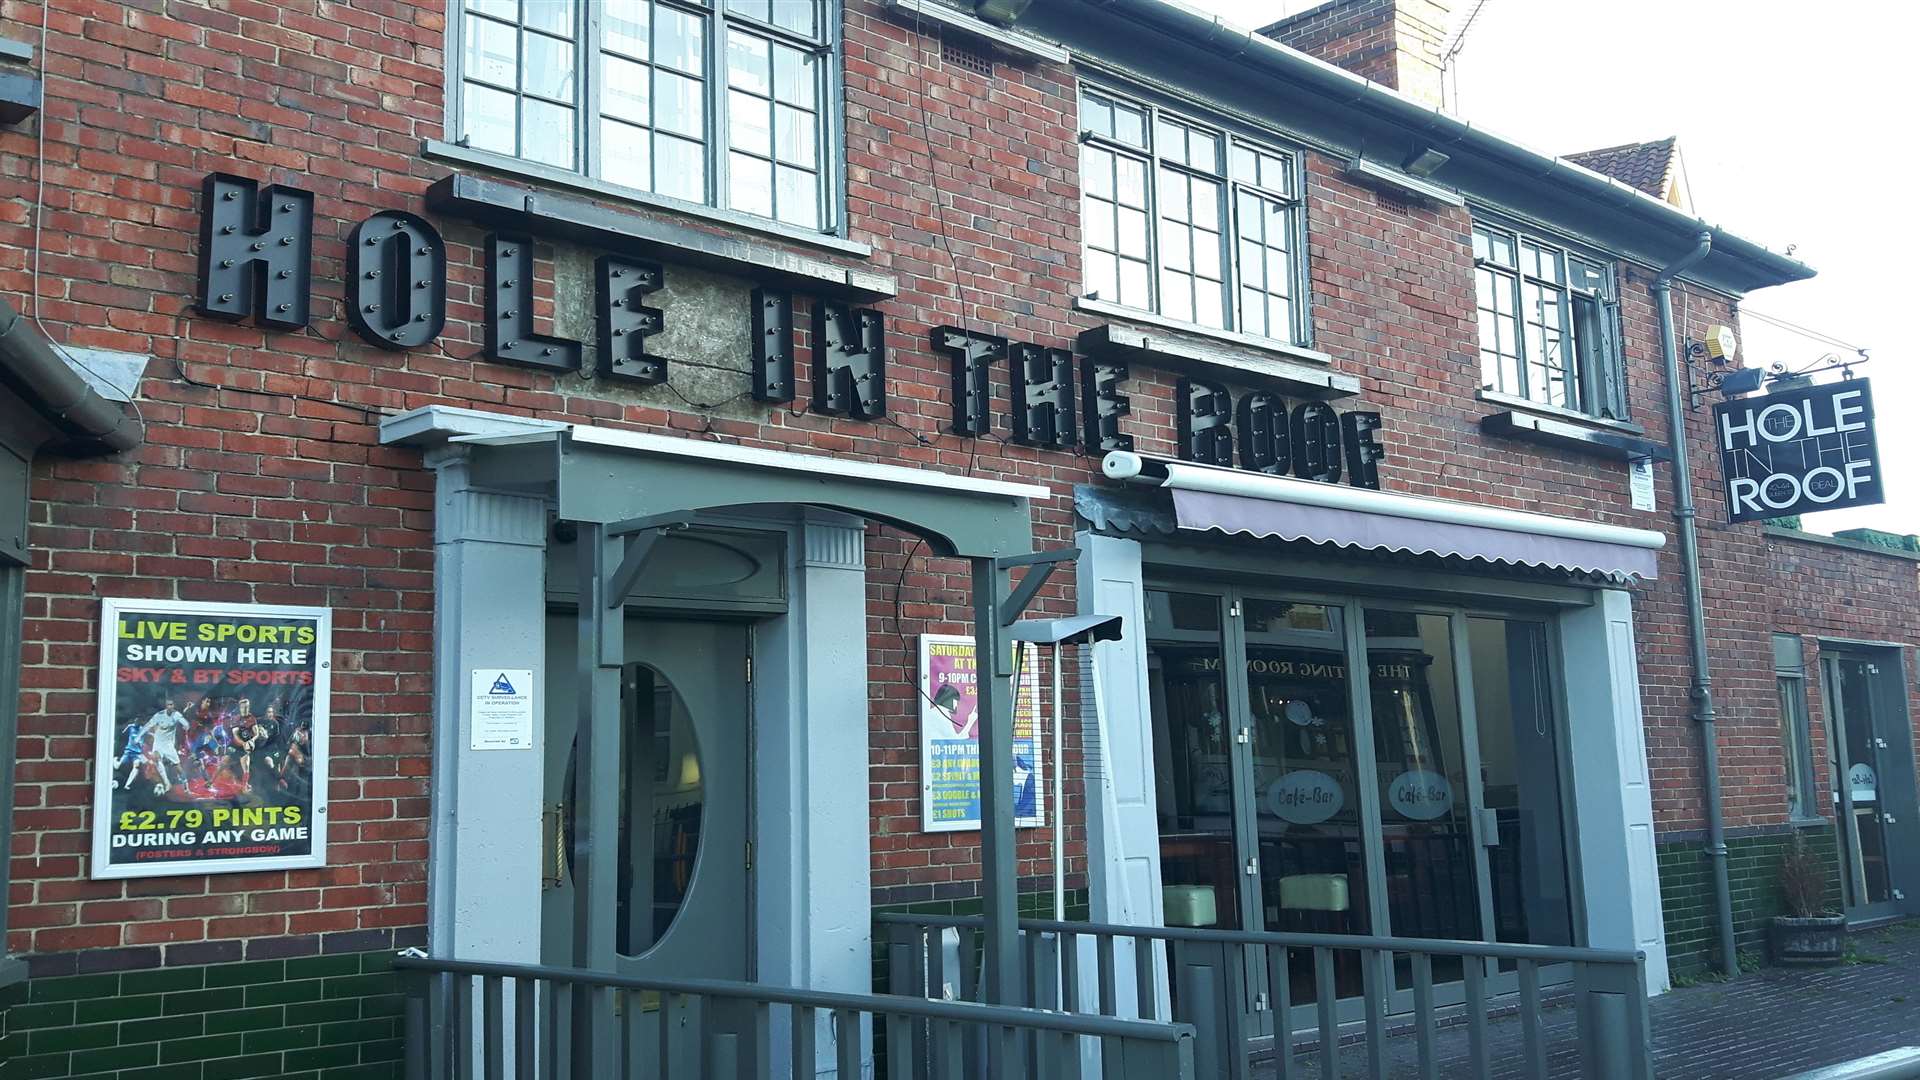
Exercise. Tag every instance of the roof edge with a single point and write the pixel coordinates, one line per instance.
(1234, 42)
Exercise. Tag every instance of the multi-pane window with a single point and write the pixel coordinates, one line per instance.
(1189, 221)
(1548, 323)
(1796, 741)
(716, 102)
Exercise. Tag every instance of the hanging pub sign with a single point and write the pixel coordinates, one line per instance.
(212, 753)
(256, 258)
(950, 736)
(1798, 451)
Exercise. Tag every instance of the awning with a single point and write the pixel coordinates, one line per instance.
(1256, 504)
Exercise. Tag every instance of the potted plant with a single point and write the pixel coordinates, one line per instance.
(1808, 934)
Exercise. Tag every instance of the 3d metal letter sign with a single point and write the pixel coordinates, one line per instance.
(256, 255)
(1798, 451)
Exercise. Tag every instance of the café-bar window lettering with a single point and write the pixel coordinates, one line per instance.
(716, 102)
(1189, 221)
(1549, 323)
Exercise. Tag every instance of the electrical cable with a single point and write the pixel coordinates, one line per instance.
(39, 216)
(966, 320)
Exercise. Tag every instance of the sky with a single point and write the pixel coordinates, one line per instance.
(1788, 117)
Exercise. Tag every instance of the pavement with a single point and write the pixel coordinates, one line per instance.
(1769, 1023)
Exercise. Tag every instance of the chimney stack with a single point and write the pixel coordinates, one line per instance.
(1395, 43)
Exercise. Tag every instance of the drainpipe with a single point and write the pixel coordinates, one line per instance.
(1684, 515)
(29, 364)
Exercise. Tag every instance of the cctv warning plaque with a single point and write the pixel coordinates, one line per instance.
(1799, 451)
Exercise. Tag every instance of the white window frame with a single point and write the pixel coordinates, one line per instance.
(1234, 146)
(718, 19)
(1796, 730)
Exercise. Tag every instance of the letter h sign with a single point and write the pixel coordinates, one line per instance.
(256, 251)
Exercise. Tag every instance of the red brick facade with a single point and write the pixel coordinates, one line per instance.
(261, 478)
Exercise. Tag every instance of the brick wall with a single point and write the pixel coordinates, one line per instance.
(261, 478)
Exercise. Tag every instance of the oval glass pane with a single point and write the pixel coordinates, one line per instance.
(662, 799)
(663, 795)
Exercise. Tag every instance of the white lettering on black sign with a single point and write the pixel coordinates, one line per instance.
(1798, 451)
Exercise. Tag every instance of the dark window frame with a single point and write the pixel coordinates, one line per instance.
(593, 52)
(1277, 179)
(1517, 273)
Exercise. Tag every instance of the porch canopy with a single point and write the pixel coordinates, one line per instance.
(621, 490)
(1207, 497)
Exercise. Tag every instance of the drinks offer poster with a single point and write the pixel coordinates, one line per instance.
(212, 753)
(950, 737)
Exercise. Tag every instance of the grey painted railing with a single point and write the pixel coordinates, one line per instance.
(1212, 978)
(483, 1021)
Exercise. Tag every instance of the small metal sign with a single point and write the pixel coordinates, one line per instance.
(1798, 451)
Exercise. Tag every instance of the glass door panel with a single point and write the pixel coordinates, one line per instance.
(1312, 854)
(1194, 772)
(1863, 836)
(1420, 768)
(1523, 828)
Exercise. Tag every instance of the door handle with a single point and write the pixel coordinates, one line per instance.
(553, 833)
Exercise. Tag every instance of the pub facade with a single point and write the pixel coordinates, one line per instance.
(572, 450)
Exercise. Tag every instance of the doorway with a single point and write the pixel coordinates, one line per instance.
(1347, 766)
(684, 893)
(1870, 748)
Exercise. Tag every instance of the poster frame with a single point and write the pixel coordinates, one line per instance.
(106, 721)
(1026, 704)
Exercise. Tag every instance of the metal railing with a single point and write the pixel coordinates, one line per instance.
(467, 1020)
(1221, 981)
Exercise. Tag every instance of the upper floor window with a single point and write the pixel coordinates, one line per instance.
(1549, 323)
(717, 102)
(1190, 221)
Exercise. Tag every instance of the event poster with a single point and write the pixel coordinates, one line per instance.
(950, 738)
(212, 753)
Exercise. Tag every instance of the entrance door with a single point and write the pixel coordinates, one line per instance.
(683, 898)
(1353, 767)
(1871, 751)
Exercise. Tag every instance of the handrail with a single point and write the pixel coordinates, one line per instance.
(1226, 983)
(1489, 950)
(919, 1008)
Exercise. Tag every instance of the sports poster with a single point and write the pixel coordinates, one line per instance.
(950, 737)
(212, 752)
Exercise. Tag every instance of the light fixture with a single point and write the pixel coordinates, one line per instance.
(1721, 344)
(1426, 162)
(1741, 380)
(1004, 12)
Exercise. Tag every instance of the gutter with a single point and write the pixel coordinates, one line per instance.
(1316, 76)
(1684, 516)
(29, 364)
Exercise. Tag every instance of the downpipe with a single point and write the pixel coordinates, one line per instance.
(1684, 516)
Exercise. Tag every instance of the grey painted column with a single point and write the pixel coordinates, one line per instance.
(999, 859)
(812, 839)
(483, 882)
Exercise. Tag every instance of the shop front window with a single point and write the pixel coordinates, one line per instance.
(1339, 767)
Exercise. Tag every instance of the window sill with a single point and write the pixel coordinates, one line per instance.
(435, 150)
(1808, 823)
(1596, 438)
(1235, 358)
(1624, 427)
(497, 204)
(13, 970)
